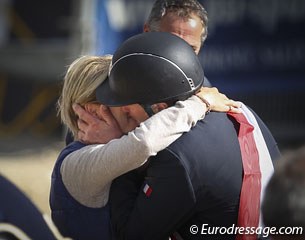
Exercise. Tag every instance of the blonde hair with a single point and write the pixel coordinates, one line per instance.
(83, 76)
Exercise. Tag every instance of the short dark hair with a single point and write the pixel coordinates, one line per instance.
(183, 8)
(284, 201)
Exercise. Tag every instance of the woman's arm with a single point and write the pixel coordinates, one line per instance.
(88, 172)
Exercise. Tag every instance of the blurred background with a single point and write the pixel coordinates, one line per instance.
(255, 52)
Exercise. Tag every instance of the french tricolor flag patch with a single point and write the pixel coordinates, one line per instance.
(147, 190)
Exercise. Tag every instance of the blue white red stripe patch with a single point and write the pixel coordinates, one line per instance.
(147, 190)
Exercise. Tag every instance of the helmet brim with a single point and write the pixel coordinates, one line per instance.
(106, 96)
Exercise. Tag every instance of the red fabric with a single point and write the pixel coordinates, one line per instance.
(249, 205)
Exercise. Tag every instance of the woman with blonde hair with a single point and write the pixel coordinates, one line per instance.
(82, 174)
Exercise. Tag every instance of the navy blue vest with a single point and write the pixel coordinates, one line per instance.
(194, 181)
(73, 219)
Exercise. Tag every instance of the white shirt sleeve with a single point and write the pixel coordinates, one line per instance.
(88, 172)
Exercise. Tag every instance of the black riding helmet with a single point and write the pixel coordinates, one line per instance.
(150, 68)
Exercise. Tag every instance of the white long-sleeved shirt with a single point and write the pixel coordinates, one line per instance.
(88, 172)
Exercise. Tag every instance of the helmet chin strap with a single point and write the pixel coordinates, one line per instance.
(147, 108)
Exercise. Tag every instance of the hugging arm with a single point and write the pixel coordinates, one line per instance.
(97, 165)
(93, 130)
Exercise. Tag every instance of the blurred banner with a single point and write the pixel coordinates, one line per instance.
(258, 43)
(117, 20)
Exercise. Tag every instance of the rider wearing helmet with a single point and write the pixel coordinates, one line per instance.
(197, 180)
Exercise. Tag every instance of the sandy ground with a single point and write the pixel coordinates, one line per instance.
(30, 167)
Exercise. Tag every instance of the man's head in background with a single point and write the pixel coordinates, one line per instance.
(184, 18)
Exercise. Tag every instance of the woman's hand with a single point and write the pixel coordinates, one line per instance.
(217, 101)
(98, 128)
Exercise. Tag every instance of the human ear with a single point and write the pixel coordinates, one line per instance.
(126, 111)
(146, 28)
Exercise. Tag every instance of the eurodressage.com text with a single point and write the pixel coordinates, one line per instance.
(205, 229)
